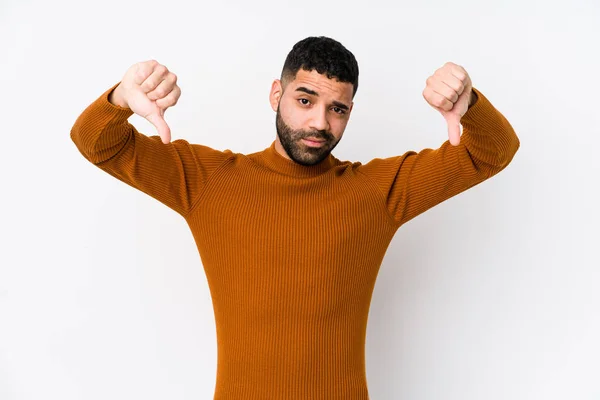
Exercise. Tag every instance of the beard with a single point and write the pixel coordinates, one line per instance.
(298, 151)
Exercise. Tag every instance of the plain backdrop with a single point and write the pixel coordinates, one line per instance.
(493, 294)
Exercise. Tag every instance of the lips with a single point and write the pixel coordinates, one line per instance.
(310, 143)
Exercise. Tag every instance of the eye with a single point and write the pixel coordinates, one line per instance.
(304, 104)
(339, 110)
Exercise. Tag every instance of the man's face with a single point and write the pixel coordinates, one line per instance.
(311, 107)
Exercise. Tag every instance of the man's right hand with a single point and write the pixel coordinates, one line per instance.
(148, 89)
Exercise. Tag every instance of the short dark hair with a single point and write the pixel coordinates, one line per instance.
(325, 55)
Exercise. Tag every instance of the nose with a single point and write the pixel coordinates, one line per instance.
(319, 120)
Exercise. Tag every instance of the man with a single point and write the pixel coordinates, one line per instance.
(291, 238)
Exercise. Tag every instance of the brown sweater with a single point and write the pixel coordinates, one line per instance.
(291, 253)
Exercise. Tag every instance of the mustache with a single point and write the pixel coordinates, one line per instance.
(320, 135)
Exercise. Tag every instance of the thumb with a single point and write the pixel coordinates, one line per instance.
(157, 119)
(453, 121)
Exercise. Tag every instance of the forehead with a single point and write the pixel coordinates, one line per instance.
(323, 85)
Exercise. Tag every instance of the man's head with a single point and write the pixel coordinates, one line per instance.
(313, 98)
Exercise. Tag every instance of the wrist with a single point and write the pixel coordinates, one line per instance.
(116, 98)
(472, 98)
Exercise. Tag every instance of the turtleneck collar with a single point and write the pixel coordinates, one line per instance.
(279, 163)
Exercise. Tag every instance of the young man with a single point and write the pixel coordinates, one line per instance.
(291, 238)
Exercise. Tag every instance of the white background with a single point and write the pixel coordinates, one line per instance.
(493, 294)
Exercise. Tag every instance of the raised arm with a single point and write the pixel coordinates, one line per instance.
(173, 173)
(413, 182)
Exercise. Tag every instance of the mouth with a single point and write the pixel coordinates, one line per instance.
(312, 142)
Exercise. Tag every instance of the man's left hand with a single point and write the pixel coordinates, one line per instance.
(449, 90)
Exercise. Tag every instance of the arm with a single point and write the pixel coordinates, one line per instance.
(414, 182)
(174, 173)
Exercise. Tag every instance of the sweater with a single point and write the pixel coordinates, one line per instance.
(291, 252)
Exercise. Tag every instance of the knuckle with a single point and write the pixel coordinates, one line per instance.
(142, 69)
(161, 69)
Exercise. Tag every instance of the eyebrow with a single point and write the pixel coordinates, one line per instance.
(313, 93)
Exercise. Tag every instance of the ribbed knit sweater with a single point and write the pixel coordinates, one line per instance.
(291, 253)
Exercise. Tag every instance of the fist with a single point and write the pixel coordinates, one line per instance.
(449, 90)
(148, 89)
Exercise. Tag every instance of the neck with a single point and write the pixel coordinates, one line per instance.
(283, 164)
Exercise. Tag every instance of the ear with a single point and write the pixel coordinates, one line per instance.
(275, 95)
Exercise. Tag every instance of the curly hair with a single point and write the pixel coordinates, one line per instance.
(325, 55)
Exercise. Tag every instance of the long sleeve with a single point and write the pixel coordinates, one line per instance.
(414, 182)
(174, 173)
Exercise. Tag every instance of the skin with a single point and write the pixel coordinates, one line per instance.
(322, 115)
(450, 91)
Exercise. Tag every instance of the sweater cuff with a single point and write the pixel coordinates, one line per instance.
(477, 110)
(487, 134)
(116, 112)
